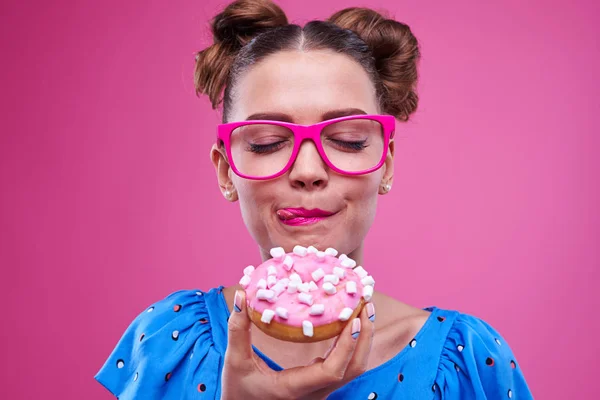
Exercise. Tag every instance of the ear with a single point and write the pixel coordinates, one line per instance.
(388, 175)
(222, 168)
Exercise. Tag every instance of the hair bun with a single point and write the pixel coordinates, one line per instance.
(234, 27)
(243, 20)
(396, 52)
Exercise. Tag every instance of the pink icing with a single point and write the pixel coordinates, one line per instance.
(298, 312)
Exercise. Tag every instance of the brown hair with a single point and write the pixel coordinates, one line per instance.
(248, 31)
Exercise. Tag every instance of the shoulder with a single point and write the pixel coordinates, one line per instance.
(477, 362)
(155, 343)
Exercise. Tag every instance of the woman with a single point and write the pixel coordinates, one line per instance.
(352, 71)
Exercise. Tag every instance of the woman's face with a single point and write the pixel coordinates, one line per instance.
(302, 87)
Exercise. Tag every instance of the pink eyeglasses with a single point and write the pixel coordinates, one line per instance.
(266, 149)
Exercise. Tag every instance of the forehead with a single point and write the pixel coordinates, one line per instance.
(304, 85)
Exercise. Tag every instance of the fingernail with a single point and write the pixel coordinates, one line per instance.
(355, 328)
(237, 301)
(371, 311)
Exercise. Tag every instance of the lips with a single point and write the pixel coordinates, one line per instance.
(302, 216)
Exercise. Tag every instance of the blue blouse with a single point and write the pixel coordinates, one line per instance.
(175, 349)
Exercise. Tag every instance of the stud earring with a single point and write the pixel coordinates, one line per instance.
(227, 194)
(387, 187)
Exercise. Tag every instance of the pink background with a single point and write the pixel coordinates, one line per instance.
(109, 201)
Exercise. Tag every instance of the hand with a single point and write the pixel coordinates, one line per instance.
(247, 376)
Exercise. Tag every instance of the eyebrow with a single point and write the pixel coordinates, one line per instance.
(276, 116)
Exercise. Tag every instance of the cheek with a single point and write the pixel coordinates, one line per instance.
(255, 202)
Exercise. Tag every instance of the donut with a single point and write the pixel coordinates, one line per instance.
(306, 295)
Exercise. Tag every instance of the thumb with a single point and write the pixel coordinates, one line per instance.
(239, 346)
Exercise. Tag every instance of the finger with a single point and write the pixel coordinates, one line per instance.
(331, 347)
(300, 381)
(239, 343)
(360, 359)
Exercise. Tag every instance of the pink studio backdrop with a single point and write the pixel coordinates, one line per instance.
(109, 201)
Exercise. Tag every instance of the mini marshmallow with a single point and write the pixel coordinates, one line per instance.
(351, 287)
(300, 251)
(312, 250)
(367, 293)
(360, 271)
(332, 278)
(307, 328)
(340, 272)
(304, 287)
(295, 277)
(249, 270)
(342, 257)
(271, 281)
(292, 287)
(317, 309)
(282, 312)
(368, 280)
(317, 274)
(305, 298)
(267, 316)
(265, 294)
(288, 262)
(272, 270)
(245, 281)
(331, 252)
(348, 263)
(321, 256)
(329, 288)
(277, 252)
(262, 284)
(346, 314)
(278, 288)
(312, 286)
(285, 282)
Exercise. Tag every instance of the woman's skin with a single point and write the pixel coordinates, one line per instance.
(301, 87)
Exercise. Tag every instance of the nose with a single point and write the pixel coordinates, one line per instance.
(309, 171)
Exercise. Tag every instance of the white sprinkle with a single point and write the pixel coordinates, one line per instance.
(346, 314)
(245, 281)
(312, 286)
(351, 287)
(317, 274)
(317, 309)
(262, 284)
(267, 316)
(295, 277)
(307, 328)
(348, 263)
(288, 262)
(368, 292)
(277, 252)
(368, 280)
(282, 312)
(304, 287)
(331, 252)
(265, 294)
(305, 298)
(332, 278)
(360, 271)
(321, 256)
(329, 288)
(312, 250)
(292, 287)
(249, 270)
(340, 272)
(271, 270)
(300, 250)
(271, 281)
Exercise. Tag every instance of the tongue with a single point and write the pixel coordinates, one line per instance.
(285, 215)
